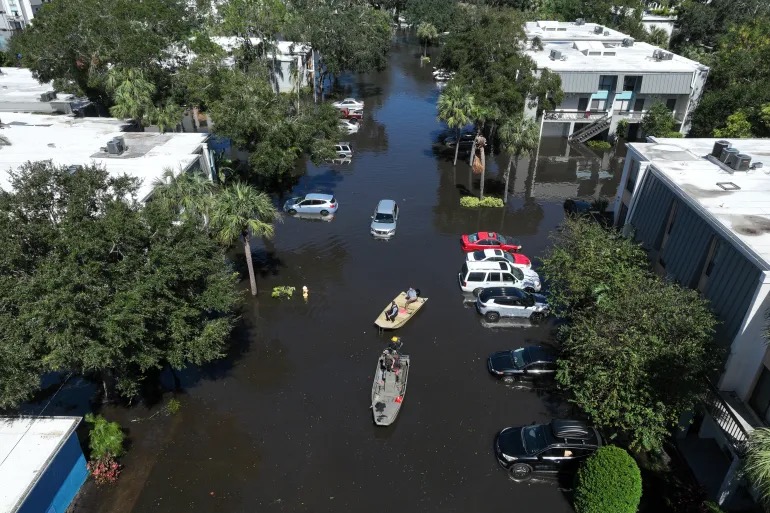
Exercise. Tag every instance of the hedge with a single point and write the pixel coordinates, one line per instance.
(608, 482)
(474, 202)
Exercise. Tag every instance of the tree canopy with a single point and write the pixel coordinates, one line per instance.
(93, 283)
(658, 121)
(637, 348)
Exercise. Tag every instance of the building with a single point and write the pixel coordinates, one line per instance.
(70, 141)
(608, 77)
(701, 208)
(15, 15)
(41, 464)
(21, 92)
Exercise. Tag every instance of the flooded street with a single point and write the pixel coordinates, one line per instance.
(284, 423)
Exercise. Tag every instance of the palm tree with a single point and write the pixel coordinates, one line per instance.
(519, 136)
(166, 116)
(132, 94)
(757, 462)
(427, 34)
(190, 194)
(241, 211)
(456, 107)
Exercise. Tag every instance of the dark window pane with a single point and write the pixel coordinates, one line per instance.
(476, 277)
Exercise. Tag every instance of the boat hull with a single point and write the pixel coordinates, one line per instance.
(405, 313)
(389, 390)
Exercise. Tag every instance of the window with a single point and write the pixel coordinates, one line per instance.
(583, 104)
(624, 105)
(633, 174)
(760, 398)
(494, 277)
(517, 273)
(607, 82)
(632, 83)
(476, 277)
(597, 104)
(671, 104)
(508, 277)
(712, 258)
(639, 105)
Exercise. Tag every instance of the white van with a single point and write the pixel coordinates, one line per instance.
(477, 276)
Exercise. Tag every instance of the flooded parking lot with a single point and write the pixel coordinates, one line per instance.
(284, 423)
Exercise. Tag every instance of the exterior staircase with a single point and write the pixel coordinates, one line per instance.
(591, 130)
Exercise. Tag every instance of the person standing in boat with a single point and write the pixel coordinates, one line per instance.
(392, 312)
(411, 296)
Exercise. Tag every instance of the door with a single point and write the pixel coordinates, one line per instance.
(509, 280)
(493, 280)
(639, 105)
(550, 460)
(514, 308)
(582, 104)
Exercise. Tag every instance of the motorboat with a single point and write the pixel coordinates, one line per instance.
(389, 387)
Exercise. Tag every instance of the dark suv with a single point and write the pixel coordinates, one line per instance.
(554, 448)
(536, 363)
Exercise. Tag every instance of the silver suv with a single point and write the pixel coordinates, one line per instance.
(497, 302)
(384, 219)
(343, 150)
(323, 204)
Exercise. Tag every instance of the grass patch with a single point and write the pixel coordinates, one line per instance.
(599, 145)
(474, 202)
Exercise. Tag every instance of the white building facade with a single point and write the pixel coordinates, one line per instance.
(15, 15)
(701, 208)
(608, 77)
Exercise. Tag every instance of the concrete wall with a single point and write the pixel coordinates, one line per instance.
(60, 482)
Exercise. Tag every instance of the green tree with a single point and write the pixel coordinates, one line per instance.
(657, 37)
(456, 108)
(757, 462)
(518, 136)
(637, 348)
(241, 212)
(427, 33)
(105, 438)
(738, 125)
(77, 243)
(262, 20)
(132, 94)
(609, 480)
(439, 13)
(658, 121)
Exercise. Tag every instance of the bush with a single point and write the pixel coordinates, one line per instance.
(608, 482)
(474, 202)
(105, 439)
(622, 129)
(599, 145)
(104, 470)
(674, 134)
(283, 291)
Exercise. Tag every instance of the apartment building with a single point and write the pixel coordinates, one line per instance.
(701, 208)
(15, 15)
(608, 77)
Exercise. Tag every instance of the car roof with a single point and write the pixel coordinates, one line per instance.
(486, 235)
(574, 431)
(386, 206)
(489, 266)
(498, 292)
(345, 143)
(540, 354)
(316, 196)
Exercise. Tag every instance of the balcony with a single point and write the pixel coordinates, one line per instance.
(732, 416)
(574, 115)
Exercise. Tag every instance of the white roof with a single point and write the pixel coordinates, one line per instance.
(27, 445)
(18, 85)
(742, 215)
(548, 30)
(78, 141)
(615, 58)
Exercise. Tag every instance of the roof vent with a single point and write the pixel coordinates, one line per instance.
(740, 162)
(598, 29)
(725, 155)
(116, 146)
(756, 165)
(580, 21)
(728, 186)
(719, 146)
(656, 54)
(606, 32)
(48, 96)
(667, 56)
(628, 42)
(555, 55)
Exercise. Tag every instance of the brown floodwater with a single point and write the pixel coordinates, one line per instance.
(283, 424)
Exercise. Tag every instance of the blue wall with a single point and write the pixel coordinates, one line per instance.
(60, 482)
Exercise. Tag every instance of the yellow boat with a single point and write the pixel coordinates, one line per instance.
(404, 312)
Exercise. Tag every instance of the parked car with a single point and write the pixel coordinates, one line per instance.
(349, 103)
(384, 219)
(323, 204)
(496, 302)
(351, 113)
(350, 125)
(466, 139)
(515, 259)
(343, 150)
(489, 240)
(533, 363)
(554, 448)
(476, 276)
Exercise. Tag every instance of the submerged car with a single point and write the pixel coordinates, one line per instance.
(533, 363)
(349, 103)
(343, 150)
(476, 276)
(514, 259)
(384, 219)
(488, 240)
(496, 302)
(322, 204)
(554, 448)
(351, 126)
(466, 139)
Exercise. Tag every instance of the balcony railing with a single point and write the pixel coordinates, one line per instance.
(726, 419)
(574, 115)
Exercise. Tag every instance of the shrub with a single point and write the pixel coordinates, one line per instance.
(674, 134)
(474, 202)
(283, 291)
(599, 145)
(609, 481)
(105, 439)
(425, 59)
(104, 470)
(622, 129)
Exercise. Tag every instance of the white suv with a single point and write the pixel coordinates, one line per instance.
(531, 278)
(477, 276)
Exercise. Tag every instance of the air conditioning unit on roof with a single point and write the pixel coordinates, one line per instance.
(598, 29)
(580, 21)
(657, 54)
(628, 42)
(555, 55)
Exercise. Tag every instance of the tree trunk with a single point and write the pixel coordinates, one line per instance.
(483, 171)
(507, 178)
(457, 145)
(250, 264)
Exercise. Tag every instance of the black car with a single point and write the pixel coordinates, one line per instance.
(466, 141)
(526, 363)
(554, 448)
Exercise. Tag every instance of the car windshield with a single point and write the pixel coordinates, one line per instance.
(534, 439)
(518, 358)
(473, 237)
(383, 218)
(503, 240)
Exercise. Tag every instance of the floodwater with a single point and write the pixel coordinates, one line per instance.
(283, 424)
